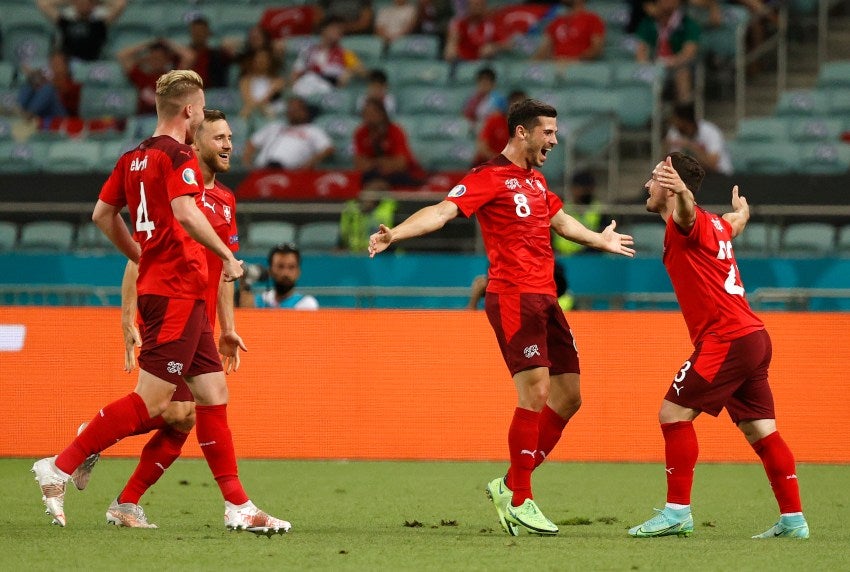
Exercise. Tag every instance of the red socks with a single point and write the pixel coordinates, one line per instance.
(152, 424)
(522, 444)
(550, 427)
(112, 423)
(162, 449)
(779, 465)
(680, 452)
(217, 444)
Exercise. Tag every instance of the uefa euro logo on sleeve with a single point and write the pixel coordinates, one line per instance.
(189, 176)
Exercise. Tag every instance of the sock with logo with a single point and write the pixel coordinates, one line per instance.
(522, 444)
(161, 450)
(550, 427)
(781, 471)
(117, 420)
(681, 450)
(217, 444)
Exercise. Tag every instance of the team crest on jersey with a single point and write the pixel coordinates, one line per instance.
(457, 190)
(189, 176)
(512, 184)
(226, 211)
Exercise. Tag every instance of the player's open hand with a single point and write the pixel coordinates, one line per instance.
(229, 345)
(617, 243)
(669, 179)
(379, 241)
(132, 340)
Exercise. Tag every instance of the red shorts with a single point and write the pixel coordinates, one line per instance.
(727, 374)
(177, 341)
(532, 332)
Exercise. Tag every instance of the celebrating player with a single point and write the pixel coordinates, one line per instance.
(515, 210)
(732, 352)
(158, 181)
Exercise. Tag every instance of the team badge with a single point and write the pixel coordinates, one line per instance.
(457, 191)
(226, 210)
(512, 184)
(189, 176)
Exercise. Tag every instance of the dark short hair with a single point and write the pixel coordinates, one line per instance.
(527, 113)
(285, 248)
(689, 169)
(378, 76)
(486, 73)
(211, 115)
(685, 111)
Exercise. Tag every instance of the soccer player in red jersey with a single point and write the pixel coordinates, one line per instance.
(158, 181)
(516, 209)
(732, 351)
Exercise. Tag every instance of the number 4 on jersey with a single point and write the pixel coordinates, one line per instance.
(143, 224)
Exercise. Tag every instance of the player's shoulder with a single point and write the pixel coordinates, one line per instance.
(170, 149)
(498, 165)
(224, 193)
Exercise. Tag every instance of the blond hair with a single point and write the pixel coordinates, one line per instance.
(172, 89)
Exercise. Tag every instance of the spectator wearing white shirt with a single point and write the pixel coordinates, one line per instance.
(700, 139)
(395, 20)
(293, 144)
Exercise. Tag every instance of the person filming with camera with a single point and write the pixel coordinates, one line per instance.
(283, 273)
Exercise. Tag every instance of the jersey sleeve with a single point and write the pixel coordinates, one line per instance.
(554, 202)
(472, 192)
(233, 232)
(112, 191)
(184, 179)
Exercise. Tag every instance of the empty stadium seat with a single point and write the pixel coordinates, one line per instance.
(824, 158)
(443, 155)
(842, 243)
(224, 99)
(763, 129)
(758, 239)
(368, 48)
(26, 44)
(8, 236)
(338, 101)
(140, 127)
(71, 156)
(90, 237)
(101, 72)
(771, 158)
(21, 157)
(100, 101)
(418, 46)
(529, 75)
(437, 127)
(339, 126)
(808, 238)
(46, 235)
(464, 73)
(263, 235)
(402, 73)
(802, 102)
(7, 75)
(593, 74)
(424, 99)
(649, 237)
(318, 236)
(834, 74)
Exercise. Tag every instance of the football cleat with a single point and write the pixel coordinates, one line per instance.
(501, 495)
(667, 522)
(529, 517)
(787, 527)
(249, 517)
(82, 474)
(52, 483)
(127, 514)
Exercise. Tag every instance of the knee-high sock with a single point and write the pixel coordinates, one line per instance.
(117, 420)
(217, 444)
(522, 444)
(781, 471)
(549, 427)
(680, 452)
(161, 450)
(152, 424)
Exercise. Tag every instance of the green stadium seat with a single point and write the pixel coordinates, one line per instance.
(225, 99)
(528, 75)
(46, 235)
(25, 157)
(71, 156)
(5, 128)
(7, 75)
(314, 236)
(342, 158)
(339, 126)
(402, 73)
(368, 48)
(415, 46)
(464, 73)
(443, 155)
(592, 74)
(100, 101)
(839, 101)
(649, 237)
(8, 236)
(638, 88)
(808, 238)
(825, 158)
(263, 235)
(758, 239)
(825, 129)
(615, 14)
(26, 44)
(232, 22)
(140, 127)
(619, 46)
(762, 129)
(842, 243)
(802, 102)
(110, 151)
(768, 158)
(834, 74)
(102, 73)
(339, 101)
(438, 126)
(90, 237)
(123, 36)
(424, 99)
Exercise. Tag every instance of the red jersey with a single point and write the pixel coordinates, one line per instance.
(571, 34)
(393, 144)
(706, 280)
(147, 179)
(219, 204)
(514, 207)
(472, 36)
(495, 133)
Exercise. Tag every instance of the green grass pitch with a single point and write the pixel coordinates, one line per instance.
(423, 516)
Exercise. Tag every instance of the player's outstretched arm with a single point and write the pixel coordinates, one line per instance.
(129, 299)
(608, 240)
(423, 221)
(229, 342)
(188, 214)
(108, 219)
(684, 213)
(740, 213)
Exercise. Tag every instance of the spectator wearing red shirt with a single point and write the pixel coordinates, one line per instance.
(211, 63)
(576, 35)
(473, 36)
(381, 151)
(494, 133)
(145, 62)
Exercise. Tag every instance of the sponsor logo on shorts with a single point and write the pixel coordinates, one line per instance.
(531, 350)
(175, 367)
(189, 176)
(457, 191)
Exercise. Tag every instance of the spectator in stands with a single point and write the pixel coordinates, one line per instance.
(577, 34)
(377, 88)
(257, 38)
(355, 16)
(284, 271)
(146, 61)
(50, 93)
(325, 65)
(211, 63)
(670, 37)
(82, 24)
(473, 36)
(484, 100)
(583, 206)
(293, 144)
(700, 139)
(433, 17)
(494, 134)
(395, 20)
(382, 153)
(261, 86)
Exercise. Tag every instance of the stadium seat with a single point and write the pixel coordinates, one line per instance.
(763, 129)
(368, 48)
(619, 46)
(233, 22)
(225, 99)
(178, 16)
(241, 133)
(802, 102)
(263, 235)
(464, 73)
(594, 74)
(649, 237)
(343, 156)
(615, 14)
(140, 127)
(339, 126)
(842, 243)
(638, 88)
(758, 239)
(838, 101)
(318, 236)
(401, 73)
(90, 237)
(808, 238)
(21, 157)
(101, 72)
(26, 44)
(438, 126)
(443, 155)
(110, 151)
(5, 128)
(415, 46)
(7, 75)
(529, 75)
(339, 101)
(8, 236)
(424, 99)
(99, 101)
(71, 156)
(834, 74)
(769, 158)
(825, 158)
(46, 235)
